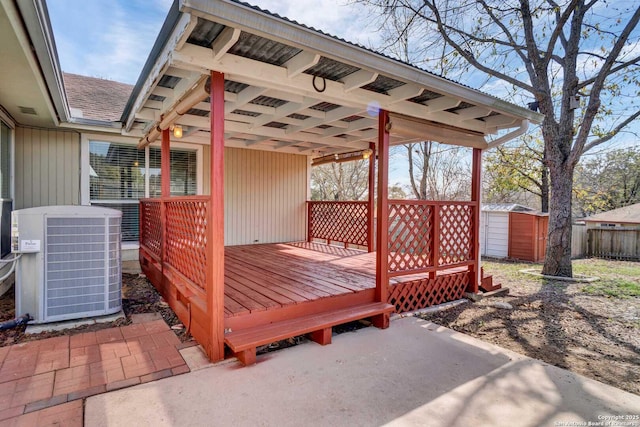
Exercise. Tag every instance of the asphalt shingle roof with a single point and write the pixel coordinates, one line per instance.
(628, 214)
(97, 99)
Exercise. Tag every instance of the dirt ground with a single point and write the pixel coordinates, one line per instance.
(138, 296)
(576, 326)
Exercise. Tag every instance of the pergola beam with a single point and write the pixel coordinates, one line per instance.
(254, 72)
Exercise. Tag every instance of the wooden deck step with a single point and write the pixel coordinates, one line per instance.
(244, 342)
(487, 284)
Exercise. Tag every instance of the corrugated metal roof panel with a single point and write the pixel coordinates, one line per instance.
(264, 50)
(198, 112)
(246, 113)
(267, 101)
(324, 106)
(234, 87)
(425, 96)
(383, 84)
(169, 81)
(298, 116)
(276, 125)
(505, 207)
(205, 32)
(352, 118)
(330, 69)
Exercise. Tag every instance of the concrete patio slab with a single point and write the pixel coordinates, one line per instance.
(414, 374)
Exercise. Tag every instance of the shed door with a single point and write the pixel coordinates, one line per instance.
(496, 232)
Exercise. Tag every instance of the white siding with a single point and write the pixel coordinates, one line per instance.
(265, 195)
(47, 167)
(494, 234)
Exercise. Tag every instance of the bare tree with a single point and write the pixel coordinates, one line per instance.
(569, 56)
(438, 171)
(340, 181)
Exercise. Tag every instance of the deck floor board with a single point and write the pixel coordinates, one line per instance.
(332, 272)
(269, 276)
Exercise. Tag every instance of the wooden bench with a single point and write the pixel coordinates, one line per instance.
(244, 342)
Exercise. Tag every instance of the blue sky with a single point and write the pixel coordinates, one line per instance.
(112, 39)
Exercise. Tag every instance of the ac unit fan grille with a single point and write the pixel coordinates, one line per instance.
(82, 272)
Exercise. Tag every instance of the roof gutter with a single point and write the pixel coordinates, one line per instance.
(36, 20)
(524, 125)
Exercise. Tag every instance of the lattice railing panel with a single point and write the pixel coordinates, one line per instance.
(410, 236)
(150, 226)
(418, 294)
(456, 233)
(344, 222)
(186, 238)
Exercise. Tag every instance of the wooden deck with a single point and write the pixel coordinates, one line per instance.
(271, 282)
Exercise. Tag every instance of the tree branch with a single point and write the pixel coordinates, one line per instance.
(611, 134)
(466, 54)
(598, 84)
(557, 32)
(613, 70)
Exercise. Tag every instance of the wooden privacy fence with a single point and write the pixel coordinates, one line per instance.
(173, 254)
(578, 240)
(616, 243)
(428, 237)
(344, 222)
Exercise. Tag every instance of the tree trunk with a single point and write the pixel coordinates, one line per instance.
(557, 261)
(544, 189)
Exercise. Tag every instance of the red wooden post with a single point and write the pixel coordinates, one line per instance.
(215, 222)
(165, 164)
(165, 187)
(476, 187)
(382, 238)
(371, 199)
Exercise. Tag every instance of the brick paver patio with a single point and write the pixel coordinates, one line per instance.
(43, 382)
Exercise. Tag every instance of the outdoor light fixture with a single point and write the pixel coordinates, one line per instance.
(367, 153)
(177, 131)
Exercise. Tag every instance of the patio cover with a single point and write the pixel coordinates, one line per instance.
(293, 89)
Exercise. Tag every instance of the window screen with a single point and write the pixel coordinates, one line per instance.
(117, 179)
(183, 172)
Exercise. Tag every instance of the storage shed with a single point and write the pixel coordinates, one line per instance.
(494, 228)
(513, 231)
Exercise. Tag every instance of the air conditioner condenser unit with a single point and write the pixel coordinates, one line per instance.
(70, 266)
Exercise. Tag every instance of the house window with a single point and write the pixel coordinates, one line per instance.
(117, 179)
(183, 172)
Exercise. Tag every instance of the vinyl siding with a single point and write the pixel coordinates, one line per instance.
(47, 167)
(265, 195)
